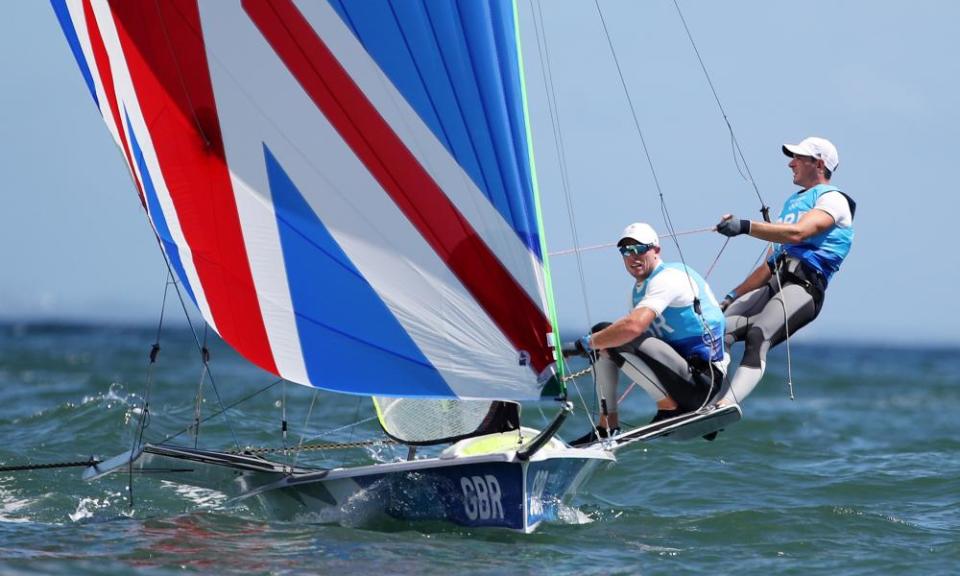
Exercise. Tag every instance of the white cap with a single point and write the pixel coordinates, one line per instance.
(819, 148)
(640, 232)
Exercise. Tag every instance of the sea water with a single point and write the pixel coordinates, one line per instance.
(859, 474)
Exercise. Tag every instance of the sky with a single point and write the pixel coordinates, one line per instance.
(880, 79)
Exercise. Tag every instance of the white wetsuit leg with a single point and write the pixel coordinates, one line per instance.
(607, 375)
(657, 368)
(763, 329)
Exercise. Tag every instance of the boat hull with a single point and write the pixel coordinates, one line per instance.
(488, 490)
(504, 493)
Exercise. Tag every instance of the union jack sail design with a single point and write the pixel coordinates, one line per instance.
(343, 188)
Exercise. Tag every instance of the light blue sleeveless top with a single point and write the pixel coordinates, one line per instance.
(680, 326)
(823, 252)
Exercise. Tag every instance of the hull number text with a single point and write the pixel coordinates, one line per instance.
(481, 497)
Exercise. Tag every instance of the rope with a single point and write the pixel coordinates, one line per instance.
(578, 374)
(717, 259)
(786, 329)
(612, 244)
(313, 447)
(25, 467)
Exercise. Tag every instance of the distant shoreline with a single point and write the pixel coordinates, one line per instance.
(176, 323)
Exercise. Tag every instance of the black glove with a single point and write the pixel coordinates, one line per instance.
(580, 347)
(733, 227)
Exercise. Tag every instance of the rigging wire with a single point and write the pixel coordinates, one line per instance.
(706, 335)
(199, 399)
(200, 347)
(553, 106)
(665, 212)
(738, 157)
(735, 144)
(223, 410)
(303, 434)
(144, 419)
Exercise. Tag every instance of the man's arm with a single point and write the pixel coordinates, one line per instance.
(623, 330)
(810, 224)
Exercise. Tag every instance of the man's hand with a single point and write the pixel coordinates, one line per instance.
(731, 226)
(584, 347)
(728, 300)
(581, 347)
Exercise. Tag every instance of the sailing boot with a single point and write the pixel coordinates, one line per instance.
(592, 436)
(665, 415)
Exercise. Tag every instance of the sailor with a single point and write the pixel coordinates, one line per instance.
(811, 239)
(670, 344)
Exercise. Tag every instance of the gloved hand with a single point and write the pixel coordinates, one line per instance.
(727, 300)
(733, 227)
(580, 347)
(583, 346)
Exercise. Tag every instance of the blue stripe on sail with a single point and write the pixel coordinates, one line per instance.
(156, 214)
(63, 15)
(456, 64)
(350, 340)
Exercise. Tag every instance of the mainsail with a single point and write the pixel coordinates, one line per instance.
(344, 189)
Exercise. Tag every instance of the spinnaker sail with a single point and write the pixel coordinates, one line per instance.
(344, 188)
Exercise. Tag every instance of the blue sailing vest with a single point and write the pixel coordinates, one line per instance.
(823, 252)
(680, 327)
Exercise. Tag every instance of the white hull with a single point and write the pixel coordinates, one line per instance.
(486, 490)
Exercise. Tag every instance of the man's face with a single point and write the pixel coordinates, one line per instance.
(639, 259)
(806, 170)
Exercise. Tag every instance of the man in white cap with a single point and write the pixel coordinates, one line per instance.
(811, 238)
(671, 342)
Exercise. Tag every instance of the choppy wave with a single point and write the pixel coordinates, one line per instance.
(858, 475)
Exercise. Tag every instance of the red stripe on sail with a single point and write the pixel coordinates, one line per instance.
(106, 80)
(400, 174)
(165, 53)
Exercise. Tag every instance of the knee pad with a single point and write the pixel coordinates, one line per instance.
(752, 347)
(617, 358)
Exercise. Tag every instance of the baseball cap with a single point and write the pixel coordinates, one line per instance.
(815, 147)
(640, 232)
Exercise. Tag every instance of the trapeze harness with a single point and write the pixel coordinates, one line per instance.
(809, 265)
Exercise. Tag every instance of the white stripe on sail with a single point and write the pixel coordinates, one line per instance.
(259, 102)
(245, 157)
(456, 183)
(127, 99)
(75, 7)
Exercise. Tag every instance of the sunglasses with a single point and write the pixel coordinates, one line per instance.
(635, 249)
